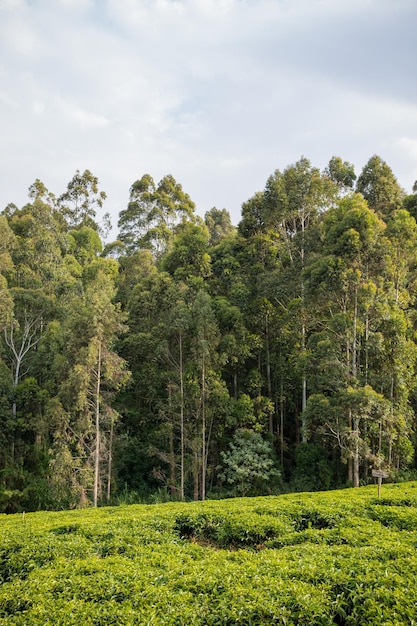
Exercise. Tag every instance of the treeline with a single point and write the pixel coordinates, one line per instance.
(191, 358)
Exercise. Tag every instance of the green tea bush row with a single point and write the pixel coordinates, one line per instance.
(341, 558)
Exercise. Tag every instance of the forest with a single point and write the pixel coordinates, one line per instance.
(189, 358)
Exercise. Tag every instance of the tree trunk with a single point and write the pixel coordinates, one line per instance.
(27, 342)
(355, 337)
(97, 425)
(356, 453)
(268, 374)
(304, 391)
(110, 464)
(182, 434)
(350, 458)
(196, 473)
(203, 426)
(303, 335)
(281, 425)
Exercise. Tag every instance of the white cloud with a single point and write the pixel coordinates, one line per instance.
(217, 92)
(79, 115)
(12, 5)
(409, 145)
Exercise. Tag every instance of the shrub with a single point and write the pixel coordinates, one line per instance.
(248, 464)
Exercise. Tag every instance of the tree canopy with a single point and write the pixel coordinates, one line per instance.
(194, 358)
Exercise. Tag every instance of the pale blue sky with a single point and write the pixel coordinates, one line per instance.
(218, 93)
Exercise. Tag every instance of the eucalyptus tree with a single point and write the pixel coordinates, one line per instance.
(281, 217)
(188, 259)
(401, 250)
(34, 271)
(7, 241)
(81, 201)
(259, 265)
(352, 358)
(35, 244)
(97, 374)
(39, 244)
(379, 187)
(219, 224)
(236, 343)
(174, 353)
(84, 244)
(204, 339)
(155, 350)
(152, 213)
(410, 204)
(342, 173)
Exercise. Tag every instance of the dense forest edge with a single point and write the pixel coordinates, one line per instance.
(191, 359)
(325, 558)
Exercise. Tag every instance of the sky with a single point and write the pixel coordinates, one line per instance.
(218, 93)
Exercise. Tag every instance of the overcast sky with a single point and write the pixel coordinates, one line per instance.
(218, 93)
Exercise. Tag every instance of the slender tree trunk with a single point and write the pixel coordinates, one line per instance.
(110, 464)
(350, 459)
(171, 456)
(355, 337)
(203, 425)
(196, 473)
(281, 425)
(182, 434)
(97, 425)
(172, 476)
(392, 388)
(303, 336)
(268, 374)
(356, 431)
(356, 453)
(15, 383)
(366, 347)
(304, 390)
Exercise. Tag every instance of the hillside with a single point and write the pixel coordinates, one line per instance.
(337, 557)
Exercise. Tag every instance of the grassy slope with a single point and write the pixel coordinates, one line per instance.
(340, 557)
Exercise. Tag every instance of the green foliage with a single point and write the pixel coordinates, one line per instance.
(298, 325)
(152, 212)
(188, 258)
(248, 464)
(379, 187)
(343, 557)
(313, 470)
(85, 244)
(219, 225)
(341, 172)
(81, 200)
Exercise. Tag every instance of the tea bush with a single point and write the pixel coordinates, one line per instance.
(341, 557)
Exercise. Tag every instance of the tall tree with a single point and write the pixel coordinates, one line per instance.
(342, 173)
(379, 187)
(293, 202)
(188, 259)
(97, 374)
(205, 337)
(79, 203)
(7, 241)
(353, 347)
(152, 213)
(219, 224)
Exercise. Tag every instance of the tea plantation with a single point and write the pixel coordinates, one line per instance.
(339, 557)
